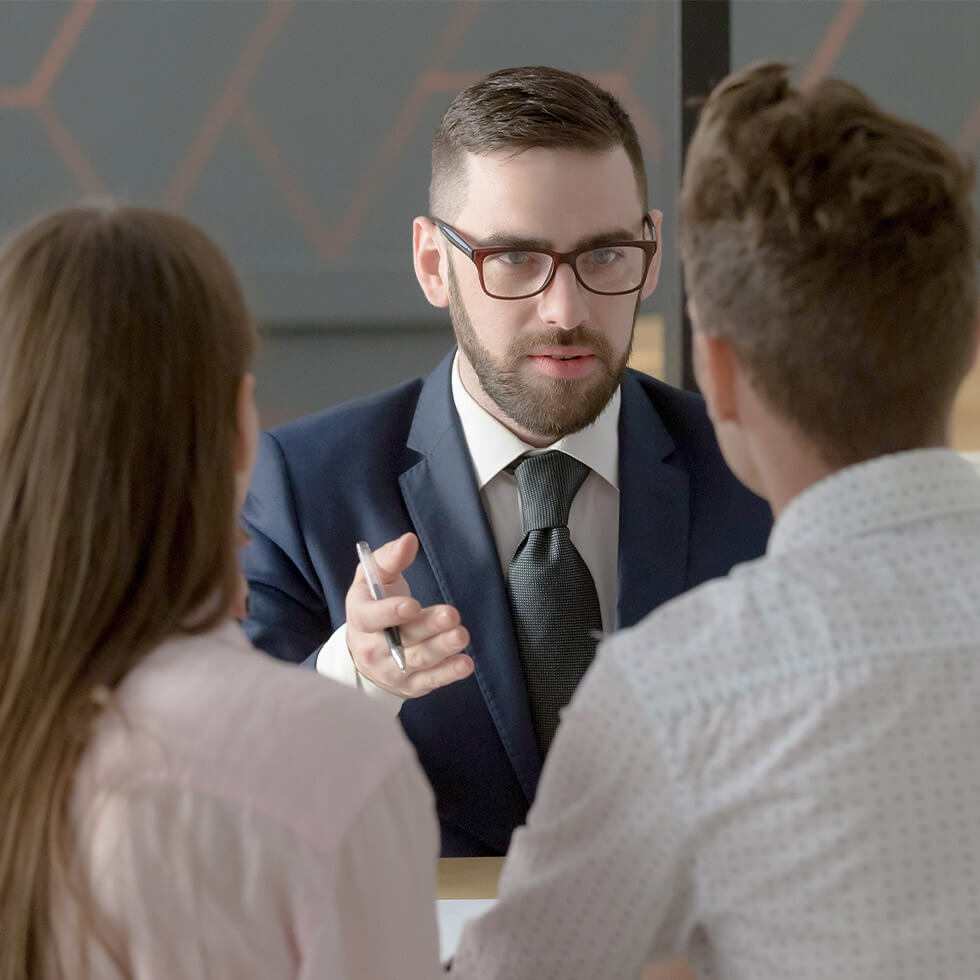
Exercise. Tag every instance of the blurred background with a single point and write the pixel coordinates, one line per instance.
(298, 135)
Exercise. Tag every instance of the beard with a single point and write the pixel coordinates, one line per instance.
(548, 407)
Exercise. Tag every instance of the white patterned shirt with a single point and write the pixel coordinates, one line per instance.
(776, 775)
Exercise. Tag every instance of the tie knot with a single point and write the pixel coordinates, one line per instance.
(547, 483)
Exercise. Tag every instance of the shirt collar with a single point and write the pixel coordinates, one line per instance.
(883, 492)
(493, 447)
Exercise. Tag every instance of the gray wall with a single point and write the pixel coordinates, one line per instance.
(917, 58)
(298, 135)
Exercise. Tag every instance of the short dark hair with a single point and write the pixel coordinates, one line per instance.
(520, 108)
(834, 246)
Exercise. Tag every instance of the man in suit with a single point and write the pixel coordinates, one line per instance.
(541, 243)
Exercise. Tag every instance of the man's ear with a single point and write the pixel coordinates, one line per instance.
(428, 260)
(715, 370)
(653, 273)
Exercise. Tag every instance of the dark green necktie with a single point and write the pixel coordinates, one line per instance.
(552, 595)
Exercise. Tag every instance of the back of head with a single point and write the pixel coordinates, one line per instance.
(517, 109)
(834, 246)
(123, 341)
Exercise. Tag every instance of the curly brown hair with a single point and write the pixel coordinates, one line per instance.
(834, 246)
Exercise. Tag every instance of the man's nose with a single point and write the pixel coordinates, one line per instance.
(563, 303)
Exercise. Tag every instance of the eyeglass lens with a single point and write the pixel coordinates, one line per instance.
(613, 269)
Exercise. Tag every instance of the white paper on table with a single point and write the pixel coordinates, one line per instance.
(452, 914)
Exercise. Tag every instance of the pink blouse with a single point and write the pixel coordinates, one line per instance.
(238, 817)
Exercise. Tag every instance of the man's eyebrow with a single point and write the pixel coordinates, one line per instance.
(501, 239)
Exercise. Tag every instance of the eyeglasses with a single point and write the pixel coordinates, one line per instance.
(509, 272)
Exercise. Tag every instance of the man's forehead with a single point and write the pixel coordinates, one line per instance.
(550, 193)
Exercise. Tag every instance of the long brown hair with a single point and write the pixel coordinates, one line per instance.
(123, 341)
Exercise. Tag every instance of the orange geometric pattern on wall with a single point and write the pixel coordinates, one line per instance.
(232, 107)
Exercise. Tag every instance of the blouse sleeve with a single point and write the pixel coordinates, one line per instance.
(376, 919)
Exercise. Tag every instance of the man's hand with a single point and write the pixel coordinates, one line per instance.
(432, 637)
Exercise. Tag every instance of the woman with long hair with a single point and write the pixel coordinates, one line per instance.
(172, 803)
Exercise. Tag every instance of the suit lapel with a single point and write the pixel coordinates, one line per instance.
(653, 510)
(443, 500)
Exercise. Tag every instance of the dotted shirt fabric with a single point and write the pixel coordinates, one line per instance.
(778, 774)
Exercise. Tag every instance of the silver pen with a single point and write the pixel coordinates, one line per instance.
(392, 636)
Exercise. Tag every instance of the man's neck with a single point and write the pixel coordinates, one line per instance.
(787, 463)
(787, 477)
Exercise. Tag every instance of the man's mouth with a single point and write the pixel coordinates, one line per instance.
(564, 362)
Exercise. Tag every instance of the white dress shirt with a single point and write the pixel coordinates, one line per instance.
(776, 775)
(224, 830)
(593, 519)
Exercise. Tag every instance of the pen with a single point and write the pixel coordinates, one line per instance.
(377, 590)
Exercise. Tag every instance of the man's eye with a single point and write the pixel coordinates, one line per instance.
(512, 258)
(604, 256)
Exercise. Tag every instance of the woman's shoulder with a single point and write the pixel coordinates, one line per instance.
(210, 715)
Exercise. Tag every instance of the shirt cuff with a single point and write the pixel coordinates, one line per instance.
(333, 660)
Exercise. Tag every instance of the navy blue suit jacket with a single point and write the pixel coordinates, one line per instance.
(397, 461)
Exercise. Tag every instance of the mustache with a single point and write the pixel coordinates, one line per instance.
(526, 344)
